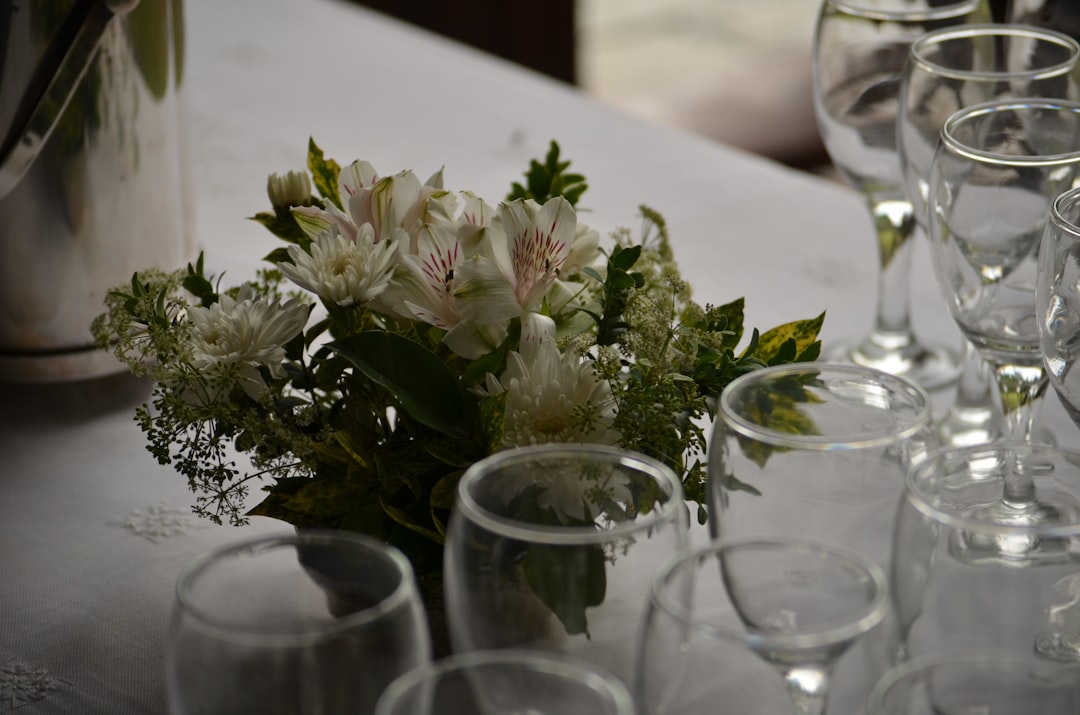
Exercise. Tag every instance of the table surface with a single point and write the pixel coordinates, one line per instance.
(93, 532)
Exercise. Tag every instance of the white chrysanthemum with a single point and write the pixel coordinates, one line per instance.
(342, 271)
(545, 394)
(244, 333)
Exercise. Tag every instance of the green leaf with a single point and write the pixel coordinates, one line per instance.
(403, 519)
(283, 226)
(324, 173)
(803, 332)
(420, 382)
(568, 579)
(548, 179)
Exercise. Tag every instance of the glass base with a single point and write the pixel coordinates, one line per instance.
(930, 367)
(1017, 549)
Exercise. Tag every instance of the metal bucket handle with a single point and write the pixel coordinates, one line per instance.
(54, 83)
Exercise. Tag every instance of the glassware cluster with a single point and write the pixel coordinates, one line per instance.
(861, 556)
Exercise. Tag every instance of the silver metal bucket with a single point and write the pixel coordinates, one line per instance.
(93, 181)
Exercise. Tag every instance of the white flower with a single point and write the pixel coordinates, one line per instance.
(521, 263)
(546, 394)
(571, 494)
(341, 271)
(292, 189)
(245, 334)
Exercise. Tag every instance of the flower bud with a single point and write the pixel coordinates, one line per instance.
(292, 189)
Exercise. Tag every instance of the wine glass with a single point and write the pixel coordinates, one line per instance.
(975, 681)
(1057, 297)
(762, 626)
(860, 47)
(551, 547)
(966, 576)
(319, 621)
(949, 69)
(507, 682)
(994, 174)
(815, 450)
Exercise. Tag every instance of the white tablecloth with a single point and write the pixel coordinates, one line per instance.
(93, 532)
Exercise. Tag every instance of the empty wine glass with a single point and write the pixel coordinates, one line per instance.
(319, 621)
(1057, 297)
(763, 626)
(551, 547)
(950, 69)
(815, 450)
(995, 172)
(860, 48)
(986, 553)
(977, 681)
(507, 682)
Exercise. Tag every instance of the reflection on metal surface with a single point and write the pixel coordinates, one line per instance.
(106, 194)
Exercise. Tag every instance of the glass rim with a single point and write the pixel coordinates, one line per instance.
(900, 14)
(562, 665)
(404, 592)
(920, 665)
(466, 506)
(919, 498)
(1057, 211)
(775, 438)
(942, 35)
(976, 111)
(868, 618)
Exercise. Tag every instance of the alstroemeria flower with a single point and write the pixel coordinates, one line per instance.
(425, 282)
(342, 271)
(244, 334)
(520, 263)
(401, 201)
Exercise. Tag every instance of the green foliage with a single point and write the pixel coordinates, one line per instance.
(549, 179)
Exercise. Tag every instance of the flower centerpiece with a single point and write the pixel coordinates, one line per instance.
(404, 331)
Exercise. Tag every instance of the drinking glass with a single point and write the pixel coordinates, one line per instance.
(762, 626)
(987, 683)
(319, 621)
(860, 47)
(1057, 297)
(947, 70)
(987, 551)
(815, 450)
(994, 174)
(551, 547)
(507, 682)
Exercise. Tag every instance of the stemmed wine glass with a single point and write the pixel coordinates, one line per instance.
(1057, 297)
(995, 172)
(977, 681)
(319, 621)
(947, 70)
(986, 553)
(816, 450)
(551, 547)
(860, 47)
(761, 626)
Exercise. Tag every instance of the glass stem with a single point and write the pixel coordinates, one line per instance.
(1019, 390)
(895, 225)
(808, 688)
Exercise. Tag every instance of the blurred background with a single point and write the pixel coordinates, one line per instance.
(737, 71)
